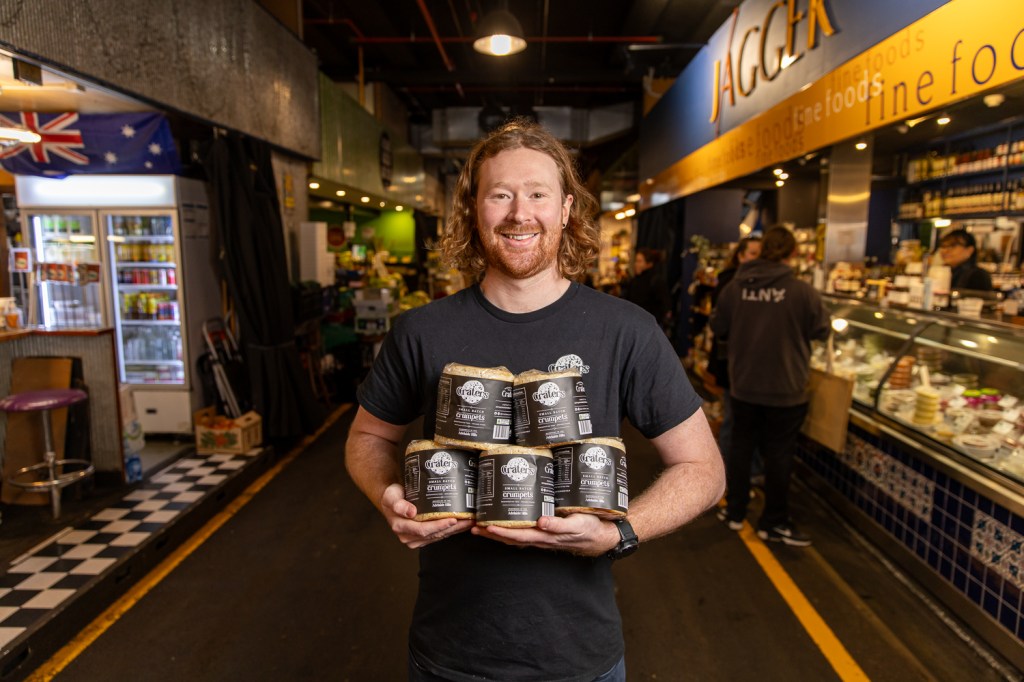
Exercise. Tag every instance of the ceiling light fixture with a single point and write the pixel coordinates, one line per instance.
(365, 200)
(314, 185)
(340, 192)
(780, 183)
(783, 176)
(994, 100)
(861, 146)
(499, 34)
(777, 171)
(943, 120)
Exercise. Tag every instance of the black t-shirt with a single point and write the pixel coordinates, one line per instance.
(968, 276)
(486, 610)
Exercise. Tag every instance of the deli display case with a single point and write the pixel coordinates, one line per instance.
(932, 469)
(956, 384)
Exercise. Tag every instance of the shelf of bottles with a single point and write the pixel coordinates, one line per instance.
(67, 270)
(145, 281)
(977, 182)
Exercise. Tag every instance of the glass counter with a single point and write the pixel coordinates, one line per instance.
(954, 384)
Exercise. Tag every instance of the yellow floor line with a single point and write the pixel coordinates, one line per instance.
(113, 613)
(838, 657)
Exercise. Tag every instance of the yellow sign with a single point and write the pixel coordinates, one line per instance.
(953, 53)
(728, 80)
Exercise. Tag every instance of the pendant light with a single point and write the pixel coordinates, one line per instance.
(499, 34)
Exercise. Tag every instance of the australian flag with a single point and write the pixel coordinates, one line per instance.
(90, 143)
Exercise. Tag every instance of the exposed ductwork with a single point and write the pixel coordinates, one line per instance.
(458, 127)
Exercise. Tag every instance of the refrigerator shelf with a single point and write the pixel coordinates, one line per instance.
(151, 323)
(145, 263)
(148, 287)
(85, 240)
(142, 238)
(151, 363)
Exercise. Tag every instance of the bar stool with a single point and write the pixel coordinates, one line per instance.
(45, 472)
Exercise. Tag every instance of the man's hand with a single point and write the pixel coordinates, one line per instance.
(399, 513)
(582, 534)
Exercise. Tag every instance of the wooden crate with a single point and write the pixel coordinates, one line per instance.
(237, 436)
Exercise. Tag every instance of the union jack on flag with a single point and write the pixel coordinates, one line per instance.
(90, 143)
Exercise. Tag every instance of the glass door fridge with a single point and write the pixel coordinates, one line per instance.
(68, 269)
(144, 257)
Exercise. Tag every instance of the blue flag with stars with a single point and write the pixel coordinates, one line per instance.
(89, 143)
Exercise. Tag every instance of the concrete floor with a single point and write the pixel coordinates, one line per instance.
(306, 582)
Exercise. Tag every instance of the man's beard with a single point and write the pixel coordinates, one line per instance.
(525, 264)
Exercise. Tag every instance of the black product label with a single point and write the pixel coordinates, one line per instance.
(551, 411)
(441, 480)
(591, 475)
(474, 410)
(515, 487)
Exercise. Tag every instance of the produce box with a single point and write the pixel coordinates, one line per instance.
(217, 433)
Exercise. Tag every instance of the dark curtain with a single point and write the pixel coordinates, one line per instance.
(250, 238)
(426, 237)
(662, 228)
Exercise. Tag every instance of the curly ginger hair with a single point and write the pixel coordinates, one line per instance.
(581, 240)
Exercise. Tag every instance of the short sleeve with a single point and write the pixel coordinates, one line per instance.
(391, 391)
(658, 394)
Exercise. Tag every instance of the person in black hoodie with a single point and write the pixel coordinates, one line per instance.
(768, 317)
(748, 249)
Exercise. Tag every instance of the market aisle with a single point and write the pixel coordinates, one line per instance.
(305, 582)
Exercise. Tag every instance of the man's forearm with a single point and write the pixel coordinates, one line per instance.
(693, 479)
(372, 462)
(680, 494)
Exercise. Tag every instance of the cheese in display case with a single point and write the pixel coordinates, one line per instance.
(956, 385)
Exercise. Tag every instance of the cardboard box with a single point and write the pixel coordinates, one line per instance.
(237, 436)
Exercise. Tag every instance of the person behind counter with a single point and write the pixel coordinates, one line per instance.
(959, 251)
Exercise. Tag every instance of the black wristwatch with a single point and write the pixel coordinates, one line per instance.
(629, 542)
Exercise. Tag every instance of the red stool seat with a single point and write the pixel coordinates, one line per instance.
(51, 474)
(46, 399)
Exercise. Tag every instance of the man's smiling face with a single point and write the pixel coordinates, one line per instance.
(520, 212)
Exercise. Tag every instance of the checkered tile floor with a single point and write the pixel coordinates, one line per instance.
(71, 561)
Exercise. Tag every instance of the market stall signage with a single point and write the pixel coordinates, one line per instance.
(952, 53)
(729, 73)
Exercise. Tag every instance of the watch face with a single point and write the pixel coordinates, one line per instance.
(629, 542)
(625, 548)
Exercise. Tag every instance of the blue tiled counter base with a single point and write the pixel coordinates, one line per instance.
(974, 544)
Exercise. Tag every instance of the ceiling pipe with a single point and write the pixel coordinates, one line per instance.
(437, 40)
(389, 40)
(361, 72)
(607, 89)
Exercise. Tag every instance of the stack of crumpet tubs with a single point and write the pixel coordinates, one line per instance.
(515, 486)
(551, 408)
(590, 478)
(440, 481)
(474, 407)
